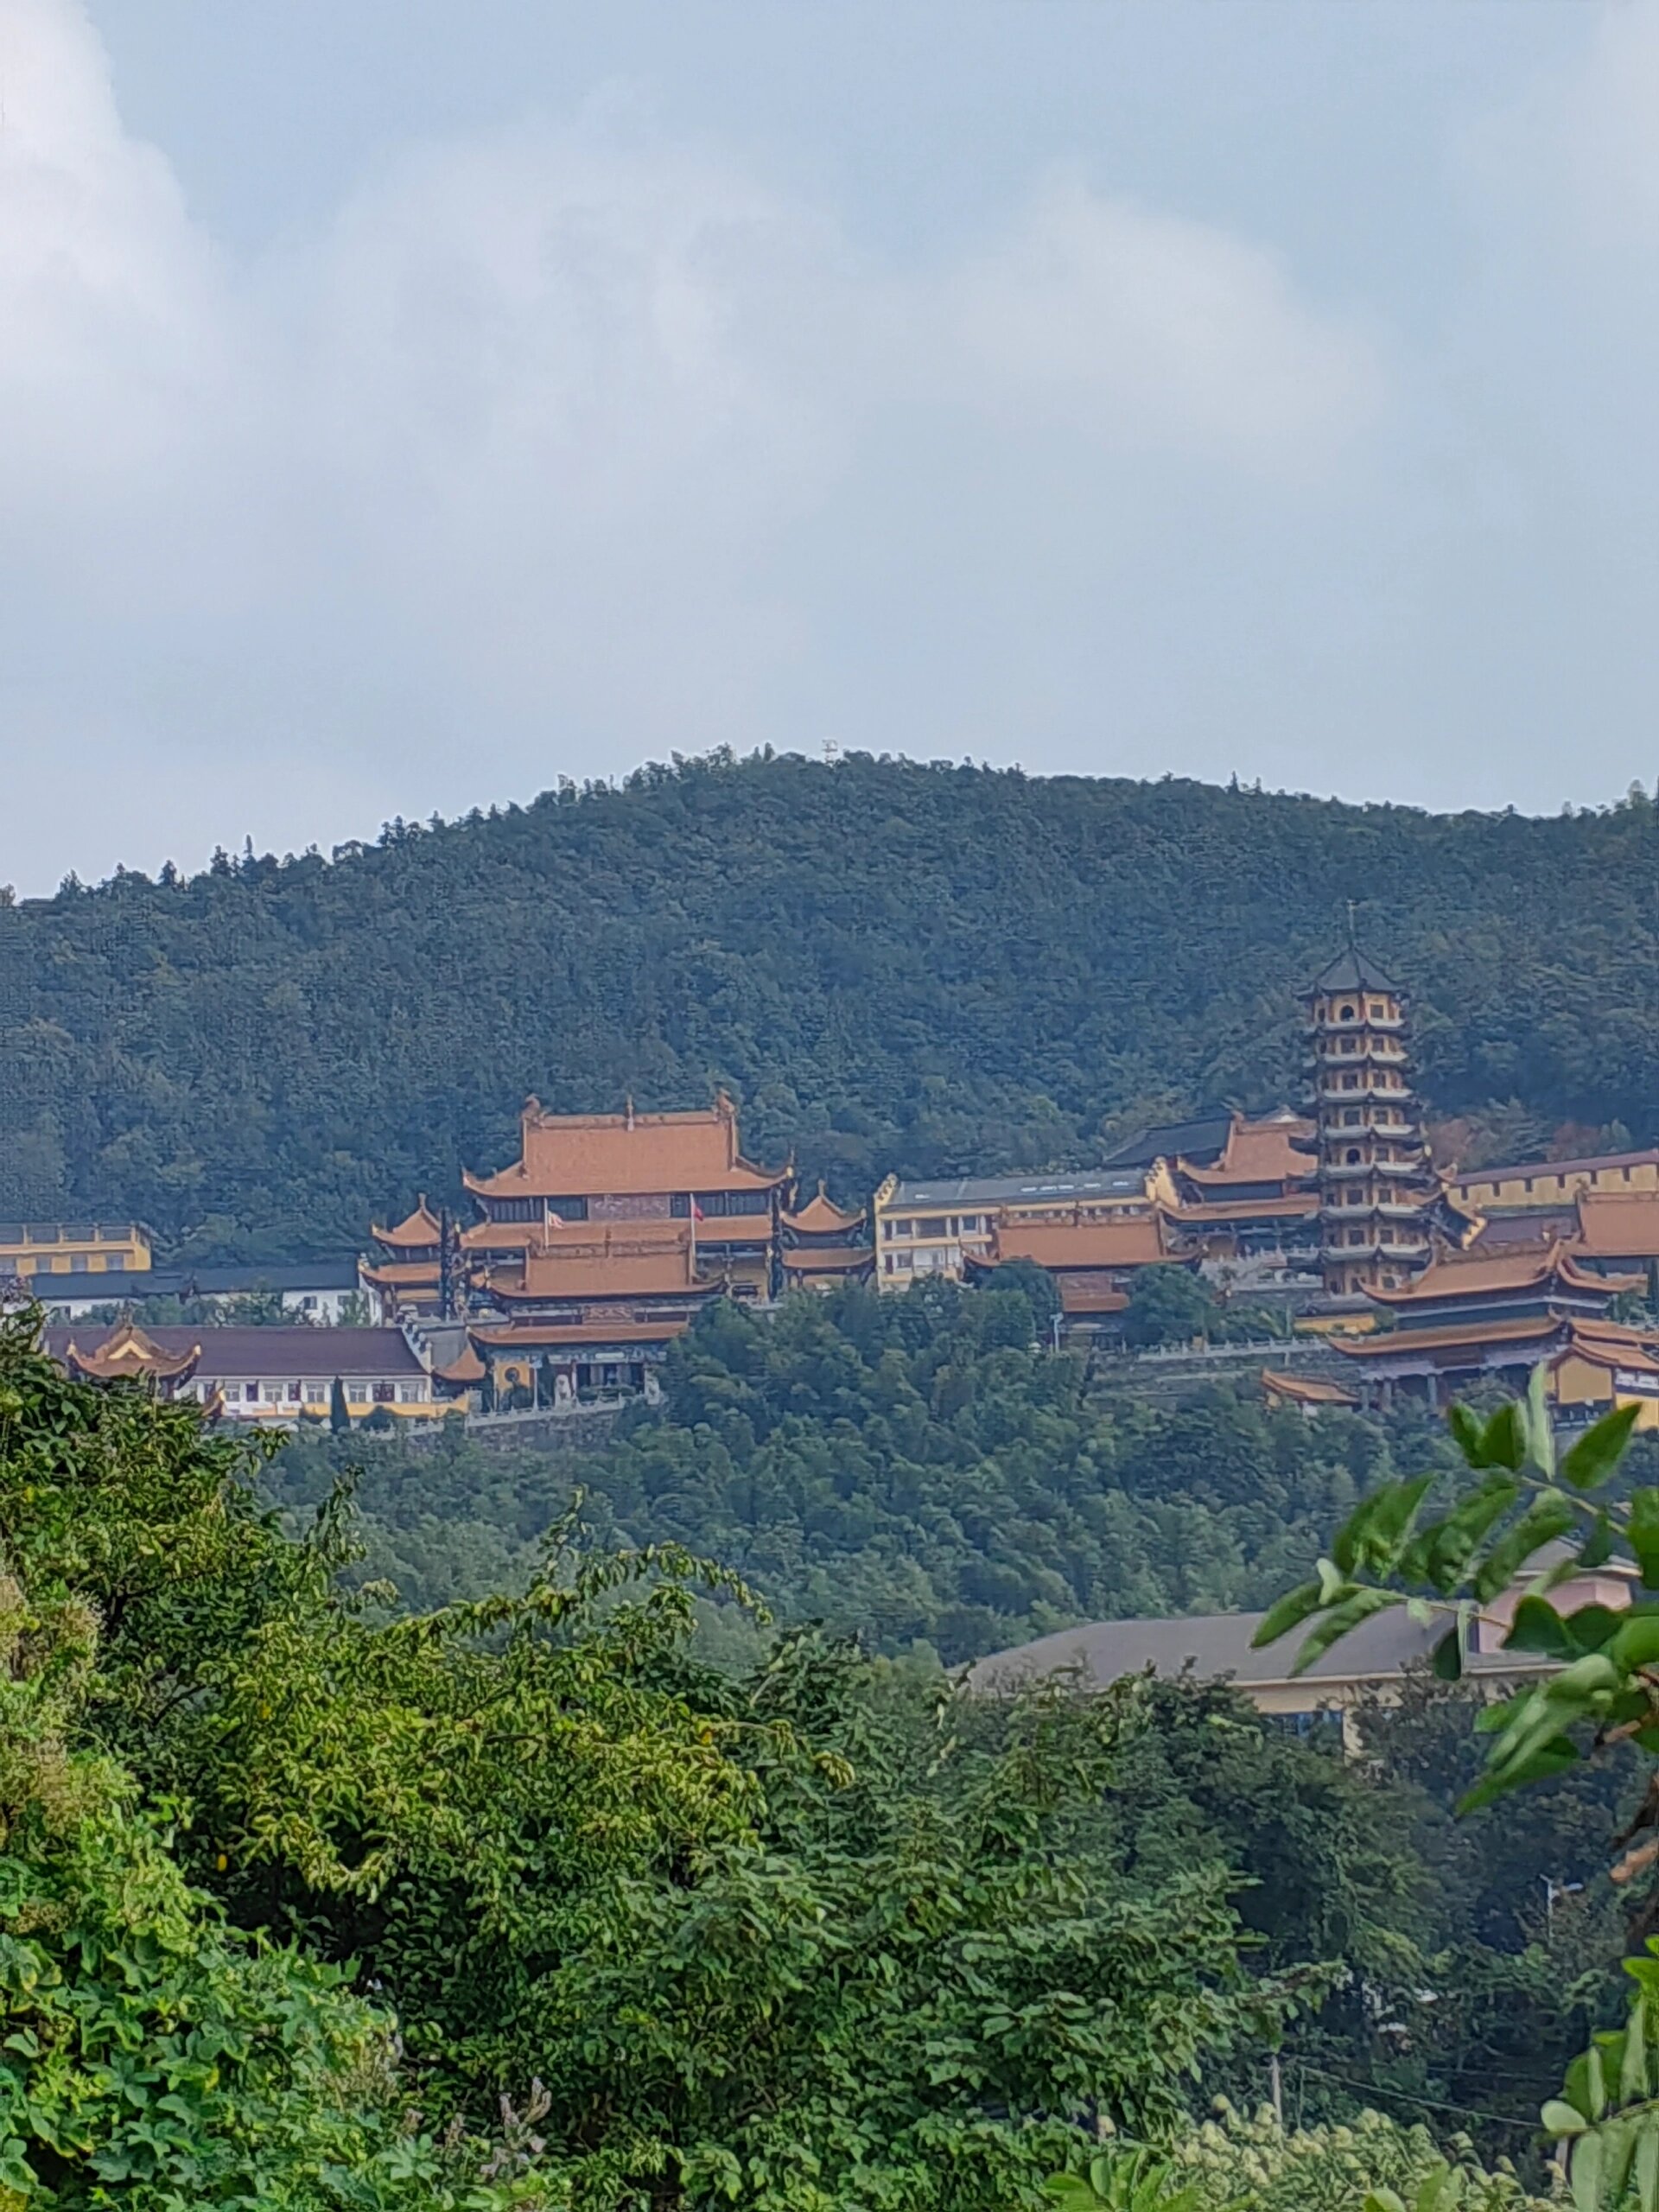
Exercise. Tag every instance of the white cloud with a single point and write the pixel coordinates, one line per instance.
(508, 470)
(1146, 330)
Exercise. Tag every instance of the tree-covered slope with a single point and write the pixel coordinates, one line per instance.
(891, 965)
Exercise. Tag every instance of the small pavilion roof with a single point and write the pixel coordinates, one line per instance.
(822, 1217)
(420, 1228)
(130, 1353)
(1305, 1389)
(504, 1235)
(626, 1154)
(1257, 1152)
(402, 1274)
(1352, 971)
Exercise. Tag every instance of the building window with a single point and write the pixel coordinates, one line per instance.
(295, 1394)
(1353, 1155)
(115, 1264)
(78, 1263)
(1344, 1013)
(905, 1263)
(906, 1228)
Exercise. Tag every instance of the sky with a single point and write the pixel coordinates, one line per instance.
(404, 404)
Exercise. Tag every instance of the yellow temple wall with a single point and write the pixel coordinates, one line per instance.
(49, 1249)
(1542, 1184)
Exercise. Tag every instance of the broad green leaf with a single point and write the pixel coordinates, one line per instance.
(1642, 1533)
(1502, 1441)
(1599, 1451)
(1633, 2063)
(1551, 1758)
(1549, 1518)
(1440, 1554)
(1635, 1641)
(1290, 1611)
(1466, 1432)
(1360, 1606)
(1586, 2173)
(1592, 1628)
(1647, 2164)
(1538, 1627)
(1541, 1432)
(1559, 2118)
(1375, 1532)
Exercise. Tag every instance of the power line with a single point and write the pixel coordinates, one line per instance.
(1406, 2096)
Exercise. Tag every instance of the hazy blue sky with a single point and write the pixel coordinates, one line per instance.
(404, 405)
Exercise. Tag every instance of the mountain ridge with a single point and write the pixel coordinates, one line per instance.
(891, 964)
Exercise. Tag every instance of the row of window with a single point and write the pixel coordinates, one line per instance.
(923, 1263)
(943, 1224)
(314, 1392)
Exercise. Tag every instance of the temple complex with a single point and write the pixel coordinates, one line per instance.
(593, 1250)
(824, 1244)
(1258, 1195)
(271, 1378)
(1093, 1262)
(1473, 1317)
(1381, 1201)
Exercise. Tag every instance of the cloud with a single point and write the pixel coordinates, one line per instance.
(1145, 330)
(525, 462)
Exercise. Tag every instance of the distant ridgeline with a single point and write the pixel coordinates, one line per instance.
(893, 968)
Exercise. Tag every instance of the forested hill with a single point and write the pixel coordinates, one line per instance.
(891, 965)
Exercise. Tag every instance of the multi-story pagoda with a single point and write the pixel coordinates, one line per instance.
(1380, 1198)
(824, 1244)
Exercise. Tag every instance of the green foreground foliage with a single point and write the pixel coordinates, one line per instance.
(922, 968)
(1563, 1511)
(760, 1939)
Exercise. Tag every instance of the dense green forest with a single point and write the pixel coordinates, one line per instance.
(911, 1469)
(533, 1904)
(891, 965)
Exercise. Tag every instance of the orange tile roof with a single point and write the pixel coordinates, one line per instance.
(421, 1227)
(1299, 1206)
(736, 1228)
(504, 1235)
(822, 1217)
(828, 1259)
(626, 1154)
(525, 1335)
(402, 1274)
(127, 1353)
(1079, 1294)
(1137, 1241)
(624, 1261)
(1615, 1225)
(1259, 1152)
(1473, 1275)
(465, 1367)
(1393, 1341)
(1305, 1389)
(1611, 1347)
